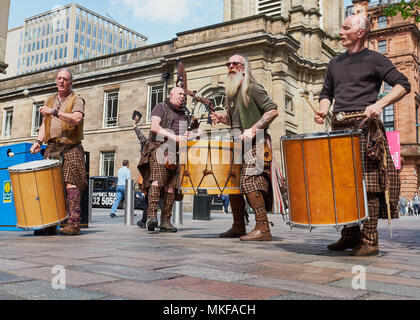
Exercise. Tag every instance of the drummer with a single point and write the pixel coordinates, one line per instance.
(353, 80)
(250, 111)
(62, 131)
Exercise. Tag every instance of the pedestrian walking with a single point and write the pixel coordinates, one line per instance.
(416, 203)
(123, 174)
(402, 203)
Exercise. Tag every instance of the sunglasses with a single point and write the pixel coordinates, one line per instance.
(235, 64)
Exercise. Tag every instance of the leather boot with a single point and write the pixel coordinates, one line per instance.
(261, 231)
(343, 244)
(48, 231)
(165, 218)
(238, 211)
(69, 230)
(365, 250)
(166, 226)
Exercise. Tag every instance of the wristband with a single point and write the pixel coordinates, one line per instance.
(54, 112)
(39, 142)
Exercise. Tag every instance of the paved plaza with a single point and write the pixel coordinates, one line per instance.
(111, 261)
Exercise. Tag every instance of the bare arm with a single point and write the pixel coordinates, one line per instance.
(324, 107)
(36, 147)
(71, 118)
(263, 123)
(266, 119)
(156, 128)
(396, 94)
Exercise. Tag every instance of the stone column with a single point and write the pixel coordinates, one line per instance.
(4, 22)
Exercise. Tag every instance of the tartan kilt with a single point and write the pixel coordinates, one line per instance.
(152, 170)
(374, 177)
(256, 177)
(73, 162)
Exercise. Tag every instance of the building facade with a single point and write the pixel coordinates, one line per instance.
(287, 53)
(67, 34)
(4, 21)
(399, 40)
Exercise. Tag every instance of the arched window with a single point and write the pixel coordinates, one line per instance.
(218, 97)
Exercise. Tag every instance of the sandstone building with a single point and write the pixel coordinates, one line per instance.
(289, 50)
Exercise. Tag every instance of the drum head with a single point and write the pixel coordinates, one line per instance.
(34, 165)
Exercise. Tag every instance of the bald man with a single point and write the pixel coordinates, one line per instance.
(168, 128)
(62, 131)
(353, 81)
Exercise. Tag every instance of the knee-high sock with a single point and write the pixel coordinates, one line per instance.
(168, 203)
(154, 196)
(73, 205)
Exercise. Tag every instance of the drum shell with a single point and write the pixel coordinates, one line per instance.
(325, 180)
(39, 197)
(217, 156)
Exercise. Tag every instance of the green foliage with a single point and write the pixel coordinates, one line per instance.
(406, 8)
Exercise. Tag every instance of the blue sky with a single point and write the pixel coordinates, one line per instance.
(160, 20)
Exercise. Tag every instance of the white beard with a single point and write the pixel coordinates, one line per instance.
(233, 82)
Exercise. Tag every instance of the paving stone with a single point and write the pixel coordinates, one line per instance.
(298, 272)
(144, 291)
(410, 274)
(382, 287)
(72, 277)
(228, 290)
(124, 272)
(296, 296)
(208, 273)
(10, 278)
(42, 290)
(6, 265)
(54, 261)
(397, 279)
(348, 266)
(305, 288)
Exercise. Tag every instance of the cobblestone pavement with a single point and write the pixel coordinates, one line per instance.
(113, 261)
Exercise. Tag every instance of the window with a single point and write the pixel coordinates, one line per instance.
(382, 22)
(111, 109)
(156, 95)
(289, 104)
(107, 163)
(382, 46)
(36, 118)
(388, 118)
(7, 122)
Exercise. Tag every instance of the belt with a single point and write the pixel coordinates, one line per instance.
(65, 141)
(57, 140)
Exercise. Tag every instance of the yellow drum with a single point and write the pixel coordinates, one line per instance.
(38, 192)
(209, 165)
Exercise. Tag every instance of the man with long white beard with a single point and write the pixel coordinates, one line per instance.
(250, 111)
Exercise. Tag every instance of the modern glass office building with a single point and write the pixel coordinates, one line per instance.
(71, 33)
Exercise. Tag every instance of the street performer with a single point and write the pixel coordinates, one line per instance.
(353, 80)
(250, 112)
(158, 164)
(62, 131)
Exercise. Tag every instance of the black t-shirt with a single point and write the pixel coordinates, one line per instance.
(354, 80)
(179, 125)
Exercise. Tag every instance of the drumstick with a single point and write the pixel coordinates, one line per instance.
(11, 154)
(304, 95)
(342, 116)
